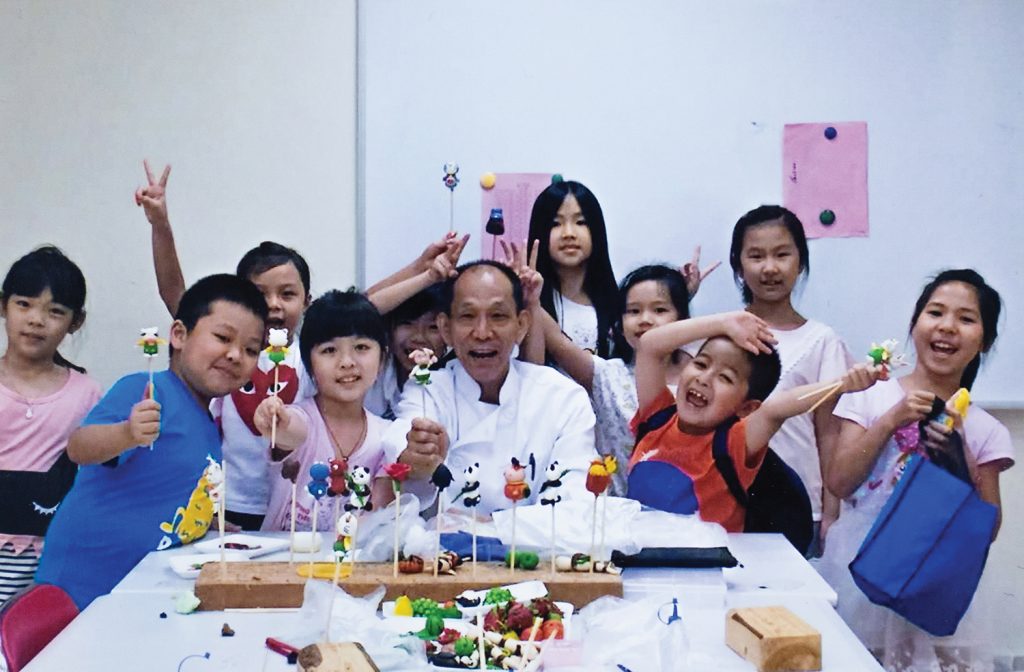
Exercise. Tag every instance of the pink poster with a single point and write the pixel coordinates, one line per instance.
(825, 177)
(514, 193)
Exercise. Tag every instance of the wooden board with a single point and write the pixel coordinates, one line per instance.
(278, 584)
(773, 638)
(347, 656)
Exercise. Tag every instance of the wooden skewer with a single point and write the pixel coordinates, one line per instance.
(825, 397)
(816, 391)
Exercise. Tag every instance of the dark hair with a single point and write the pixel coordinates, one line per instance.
(669, 278)
(419, 304)
(48, 268)
(766, 214)
(338, 314)
(448, 290)
(765, 370)
(598, 279)
(989, 306)
(196, 301)
(268, 255)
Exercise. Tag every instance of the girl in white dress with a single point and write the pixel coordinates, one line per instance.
(954, 323)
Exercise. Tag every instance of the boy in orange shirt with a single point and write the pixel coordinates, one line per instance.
(673, 468)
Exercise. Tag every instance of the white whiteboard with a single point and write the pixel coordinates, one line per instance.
(672, 113)
(252, 104)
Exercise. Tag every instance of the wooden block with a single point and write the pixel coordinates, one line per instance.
(773, 639)
(277, 584)
(337, 657)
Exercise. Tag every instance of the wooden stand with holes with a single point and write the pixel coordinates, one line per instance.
(276, 584)
(773, 639)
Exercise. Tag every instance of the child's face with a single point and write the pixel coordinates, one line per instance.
(569, 242)
(770, 262)
(648, 305)
(345, 367)
(36, 325)
(220, 352)
(713, 387)
(409, 335)
(285, 295)
(948, 333)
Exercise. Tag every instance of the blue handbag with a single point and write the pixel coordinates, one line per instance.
(924, 555)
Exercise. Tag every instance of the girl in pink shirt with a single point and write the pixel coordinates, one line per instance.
(43, 398)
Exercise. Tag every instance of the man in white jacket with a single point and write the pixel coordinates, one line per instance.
(485, 407)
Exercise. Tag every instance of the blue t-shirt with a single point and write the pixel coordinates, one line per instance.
(142, 500)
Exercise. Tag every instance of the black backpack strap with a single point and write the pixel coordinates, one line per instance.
(657, 419)
(720, 451)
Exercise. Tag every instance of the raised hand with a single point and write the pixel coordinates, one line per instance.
(426, 447)
(144, 422)
(748, 331)
(268, 409)
(532, 281)
(153, 197)
(861, 377)
(444, 264)
(693, 274)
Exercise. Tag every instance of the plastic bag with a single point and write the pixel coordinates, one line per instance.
(628, 528)
(654, 641)
(354, 619)
(375, 536)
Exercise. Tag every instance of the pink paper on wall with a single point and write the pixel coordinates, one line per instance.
(825, 177)
(514, 193)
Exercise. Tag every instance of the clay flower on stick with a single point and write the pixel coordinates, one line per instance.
(150, 343)
(397, 472)
(599, 477)
(516, 489)
(551, 494)
(441, 479)
(885, 356)
(276, 353)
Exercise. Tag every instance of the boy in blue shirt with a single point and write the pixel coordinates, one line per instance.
(151, 459)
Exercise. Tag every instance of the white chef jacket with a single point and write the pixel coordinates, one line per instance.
(540, 414)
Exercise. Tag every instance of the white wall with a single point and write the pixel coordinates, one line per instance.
(672, 113)
(252, 103)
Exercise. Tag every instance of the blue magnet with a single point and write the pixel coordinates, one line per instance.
(556, 178)
(831, 133)
(827, 217)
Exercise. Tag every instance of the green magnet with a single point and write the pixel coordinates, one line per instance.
(556, 178)
(827, 217)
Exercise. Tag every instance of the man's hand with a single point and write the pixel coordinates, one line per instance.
(153, 197)
(426, 447)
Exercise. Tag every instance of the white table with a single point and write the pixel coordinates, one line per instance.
(125, 626)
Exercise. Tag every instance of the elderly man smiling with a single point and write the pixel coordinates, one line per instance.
(486, 407)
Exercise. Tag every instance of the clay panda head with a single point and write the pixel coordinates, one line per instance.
(553, 472)
(360, 475)
(470, 473)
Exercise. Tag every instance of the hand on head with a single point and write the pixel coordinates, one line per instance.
(748, 331)
(144, 422)
(153, 197)
(426, 447)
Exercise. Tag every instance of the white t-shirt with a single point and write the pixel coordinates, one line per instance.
(577, 321)
(613, 393)
(810, 353)
(383, 397)
(246, 453)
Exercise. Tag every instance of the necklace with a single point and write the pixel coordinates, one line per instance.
(338, 451)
